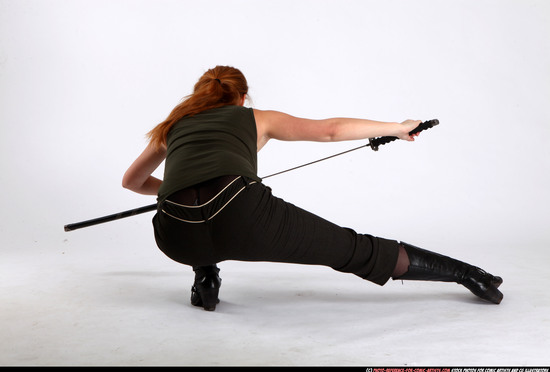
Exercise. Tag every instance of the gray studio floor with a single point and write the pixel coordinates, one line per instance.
(94, 298)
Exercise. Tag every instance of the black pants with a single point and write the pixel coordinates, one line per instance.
(245, 222)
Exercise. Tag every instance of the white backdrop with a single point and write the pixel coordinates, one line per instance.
(82, 81)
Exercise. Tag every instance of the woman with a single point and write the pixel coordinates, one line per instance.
(213, 207)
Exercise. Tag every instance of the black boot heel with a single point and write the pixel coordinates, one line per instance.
(430, 266)
(205, 290)
(207, 298)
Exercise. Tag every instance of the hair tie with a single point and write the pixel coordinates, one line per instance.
(218, 80)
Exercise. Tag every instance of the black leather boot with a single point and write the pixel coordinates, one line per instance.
(430, 266)
(205, 289)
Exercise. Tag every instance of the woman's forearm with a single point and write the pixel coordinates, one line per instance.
(138, 177)
(345, 129)
(149, 187)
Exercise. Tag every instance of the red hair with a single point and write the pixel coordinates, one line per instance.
(219, 86)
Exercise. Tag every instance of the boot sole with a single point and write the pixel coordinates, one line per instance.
(492, 294)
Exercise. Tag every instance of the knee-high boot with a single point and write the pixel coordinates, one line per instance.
(205, 289)
(429, 266)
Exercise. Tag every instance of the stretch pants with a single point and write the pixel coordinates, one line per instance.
(245, 222)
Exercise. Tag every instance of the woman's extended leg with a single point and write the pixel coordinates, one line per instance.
(281, 232)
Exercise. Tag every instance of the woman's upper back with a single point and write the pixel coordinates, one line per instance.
(213, 143)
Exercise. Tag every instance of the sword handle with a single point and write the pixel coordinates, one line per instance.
(375, 142)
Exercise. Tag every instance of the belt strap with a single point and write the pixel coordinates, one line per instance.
(223, 198)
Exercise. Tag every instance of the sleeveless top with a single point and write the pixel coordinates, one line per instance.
(216, 142)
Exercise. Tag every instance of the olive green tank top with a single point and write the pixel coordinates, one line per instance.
(216, 142)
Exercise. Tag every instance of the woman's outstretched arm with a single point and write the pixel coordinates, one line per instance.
(284, 127)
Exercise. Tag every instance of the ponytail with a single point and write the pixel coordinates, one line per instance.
(220, 86)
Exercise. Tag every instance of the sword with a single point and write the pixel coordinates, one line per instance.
(374, 143)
